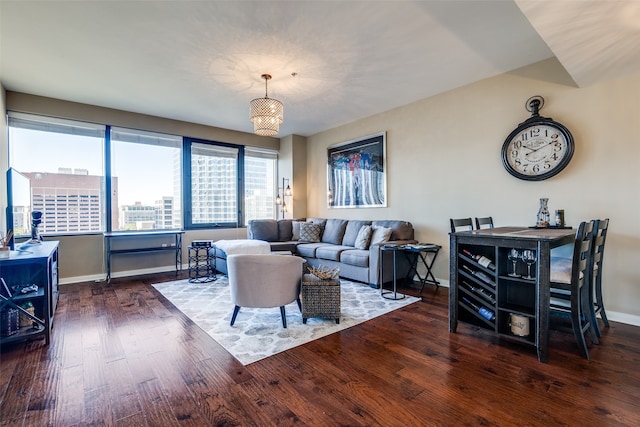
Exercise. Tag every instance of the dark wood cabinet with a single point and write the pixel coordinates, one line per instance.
(515, 308)
(32, 264)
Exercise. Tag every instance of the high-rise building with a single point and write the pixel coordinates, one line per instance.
(164, 213)
(69, 200)
(137, 216)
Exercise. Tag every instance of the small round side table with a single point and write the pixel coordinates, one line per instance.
(200, 268)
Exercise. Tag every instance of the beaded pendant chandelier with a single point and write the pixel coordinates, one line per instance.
(266, 113)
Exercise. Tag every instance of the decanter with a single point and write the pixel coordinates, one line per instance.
(543, 213)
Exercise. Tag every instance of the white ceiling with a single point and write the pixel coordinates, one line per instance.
(201, 61)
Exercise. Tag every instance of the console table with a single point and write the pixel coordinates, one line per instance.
(157, 241)
(489, 298)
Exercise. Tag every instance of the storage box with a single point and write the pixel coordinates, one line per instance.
(320, 298)
(9, 322)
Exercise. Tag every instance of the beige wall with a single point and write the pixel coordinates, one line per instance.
(292, 165)
(443, 161)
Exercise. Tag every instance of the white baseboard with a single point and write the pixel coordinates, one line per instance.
(128, 273)
(629, 319)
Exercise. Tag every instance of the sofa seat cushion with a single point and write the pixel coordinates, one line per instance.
(357, 257)
(331, 252)
(309, 249)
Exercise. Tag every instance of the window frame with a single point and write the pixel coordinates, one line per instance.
(187, 218)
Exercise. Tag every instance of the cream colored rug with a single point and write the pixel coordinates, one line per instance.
(258, 332)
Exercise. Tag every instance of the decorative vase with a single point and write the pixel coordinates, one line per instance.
(543, 213)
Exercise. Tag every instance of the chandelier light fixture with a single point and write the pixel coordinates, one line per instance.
(266, 113)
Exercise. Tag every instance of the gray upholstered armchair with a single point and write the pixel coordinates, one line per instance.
(264, 281)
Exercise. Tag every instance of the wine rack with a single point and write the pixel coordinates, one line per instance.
(480, 290)
(477, 287)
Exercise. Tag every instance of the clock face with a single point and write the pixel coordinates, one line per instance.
(537, 149)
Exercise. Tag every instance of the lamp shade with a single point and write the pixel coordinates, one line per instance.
(266, 115)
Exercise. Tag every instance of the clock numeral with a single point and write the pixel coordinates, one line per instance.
(547, 165)
(514, 153)
(557, 146)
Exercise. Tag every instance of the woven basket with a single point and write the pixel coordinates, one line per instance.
(320, 298)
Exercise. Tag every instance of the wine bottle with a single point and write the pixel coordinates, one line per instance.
(481, 310)
(481, 291)
(480, 275)
(480, 259)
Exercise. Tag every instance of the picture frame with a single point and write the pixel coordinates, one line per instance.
(357, 173)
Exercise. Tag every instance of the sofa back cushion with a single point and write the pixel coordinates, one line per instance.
(321, 221)
(400, 230)
(285, 230)
(351, 232)
(334, 231)
(263, 229)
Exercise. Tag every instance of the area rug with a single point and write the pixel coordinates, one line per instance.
(258, 332)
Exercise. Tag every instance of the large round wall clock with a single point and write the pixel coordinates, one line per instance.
(539, 147)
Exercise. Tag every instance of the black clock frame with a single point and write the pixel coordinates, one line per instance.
(534, 121)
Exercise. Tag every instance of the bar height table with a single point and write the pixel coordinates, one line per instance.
(511, 294)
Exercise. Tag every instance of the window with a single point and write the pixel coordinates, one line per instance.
(63, 162)
(213, 185)
(146, 180)
(259, 184)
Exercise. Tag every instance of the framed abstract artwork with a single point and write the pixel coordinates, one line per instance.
(356, 173)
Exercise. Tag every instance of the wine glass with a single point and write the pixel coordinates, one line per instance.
(529, 257)
(514, 256)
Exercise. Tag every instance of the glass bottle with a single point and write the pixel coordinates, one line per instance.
(543, 213)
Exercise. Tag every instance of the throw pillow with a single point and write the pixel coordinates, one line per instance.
(295, 225)
(380, 235)
(310, 232)
(363, 237)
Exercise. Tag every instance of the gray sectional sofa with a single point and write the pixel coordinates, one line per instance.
(336, 248)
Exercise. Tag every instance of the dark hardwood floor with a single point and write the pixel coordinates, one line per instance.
(123, 355)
